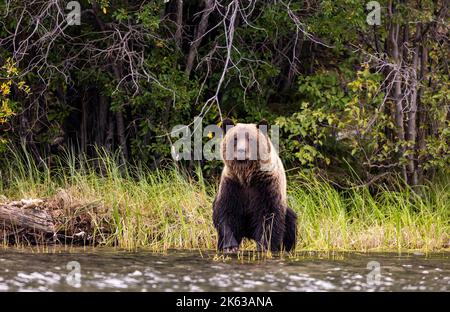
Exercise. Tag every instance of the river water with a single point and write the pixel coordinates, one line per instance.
(114, 270)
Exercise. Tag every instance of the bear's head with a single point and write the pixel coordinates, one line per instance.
(245, 146)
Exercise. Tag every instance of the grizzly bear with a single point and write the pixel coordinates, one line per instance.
(251, 200)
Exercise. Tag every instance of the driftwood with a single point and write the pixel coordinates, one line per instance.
(25, 214)
(59, 219)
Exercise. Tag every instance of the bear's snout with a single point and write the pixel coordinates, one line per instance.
(241, 154)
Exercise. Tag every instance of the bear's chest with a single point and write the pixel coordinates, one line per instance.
(251, 197)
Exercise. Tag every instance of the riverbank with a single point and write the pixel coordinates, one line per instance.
(161, 210)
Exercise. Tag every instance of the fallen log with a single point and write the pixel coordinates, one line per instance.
(26, 214)
(59, 219)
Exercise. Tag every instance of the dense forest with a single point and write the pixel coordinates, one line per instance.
(357, 88)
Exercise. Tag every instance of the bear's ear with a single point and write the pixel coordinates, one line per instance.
(263, 125)
(226, 123)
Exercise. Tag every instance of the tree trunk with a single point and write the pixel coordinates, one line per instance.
(120, 124)
(397, 91)
(121, 137)
(102, 118)
(422, 115)
(83, 125)
(179, 32)
(109, 142)
(121, 134)
(412, 121)
(201, 30)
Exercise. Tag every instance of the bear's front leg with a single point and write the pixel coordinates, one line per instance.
(269, 217)
(227, 241)
(227, 216)
(269, 232)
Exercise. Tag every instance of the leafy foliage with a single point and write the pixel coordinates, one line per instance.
(120, 80)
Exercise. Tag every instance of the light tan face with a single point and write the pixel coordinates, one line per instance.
(245, 143)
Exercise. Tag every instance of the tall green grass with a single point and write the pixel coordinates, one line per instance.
(165, 209)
